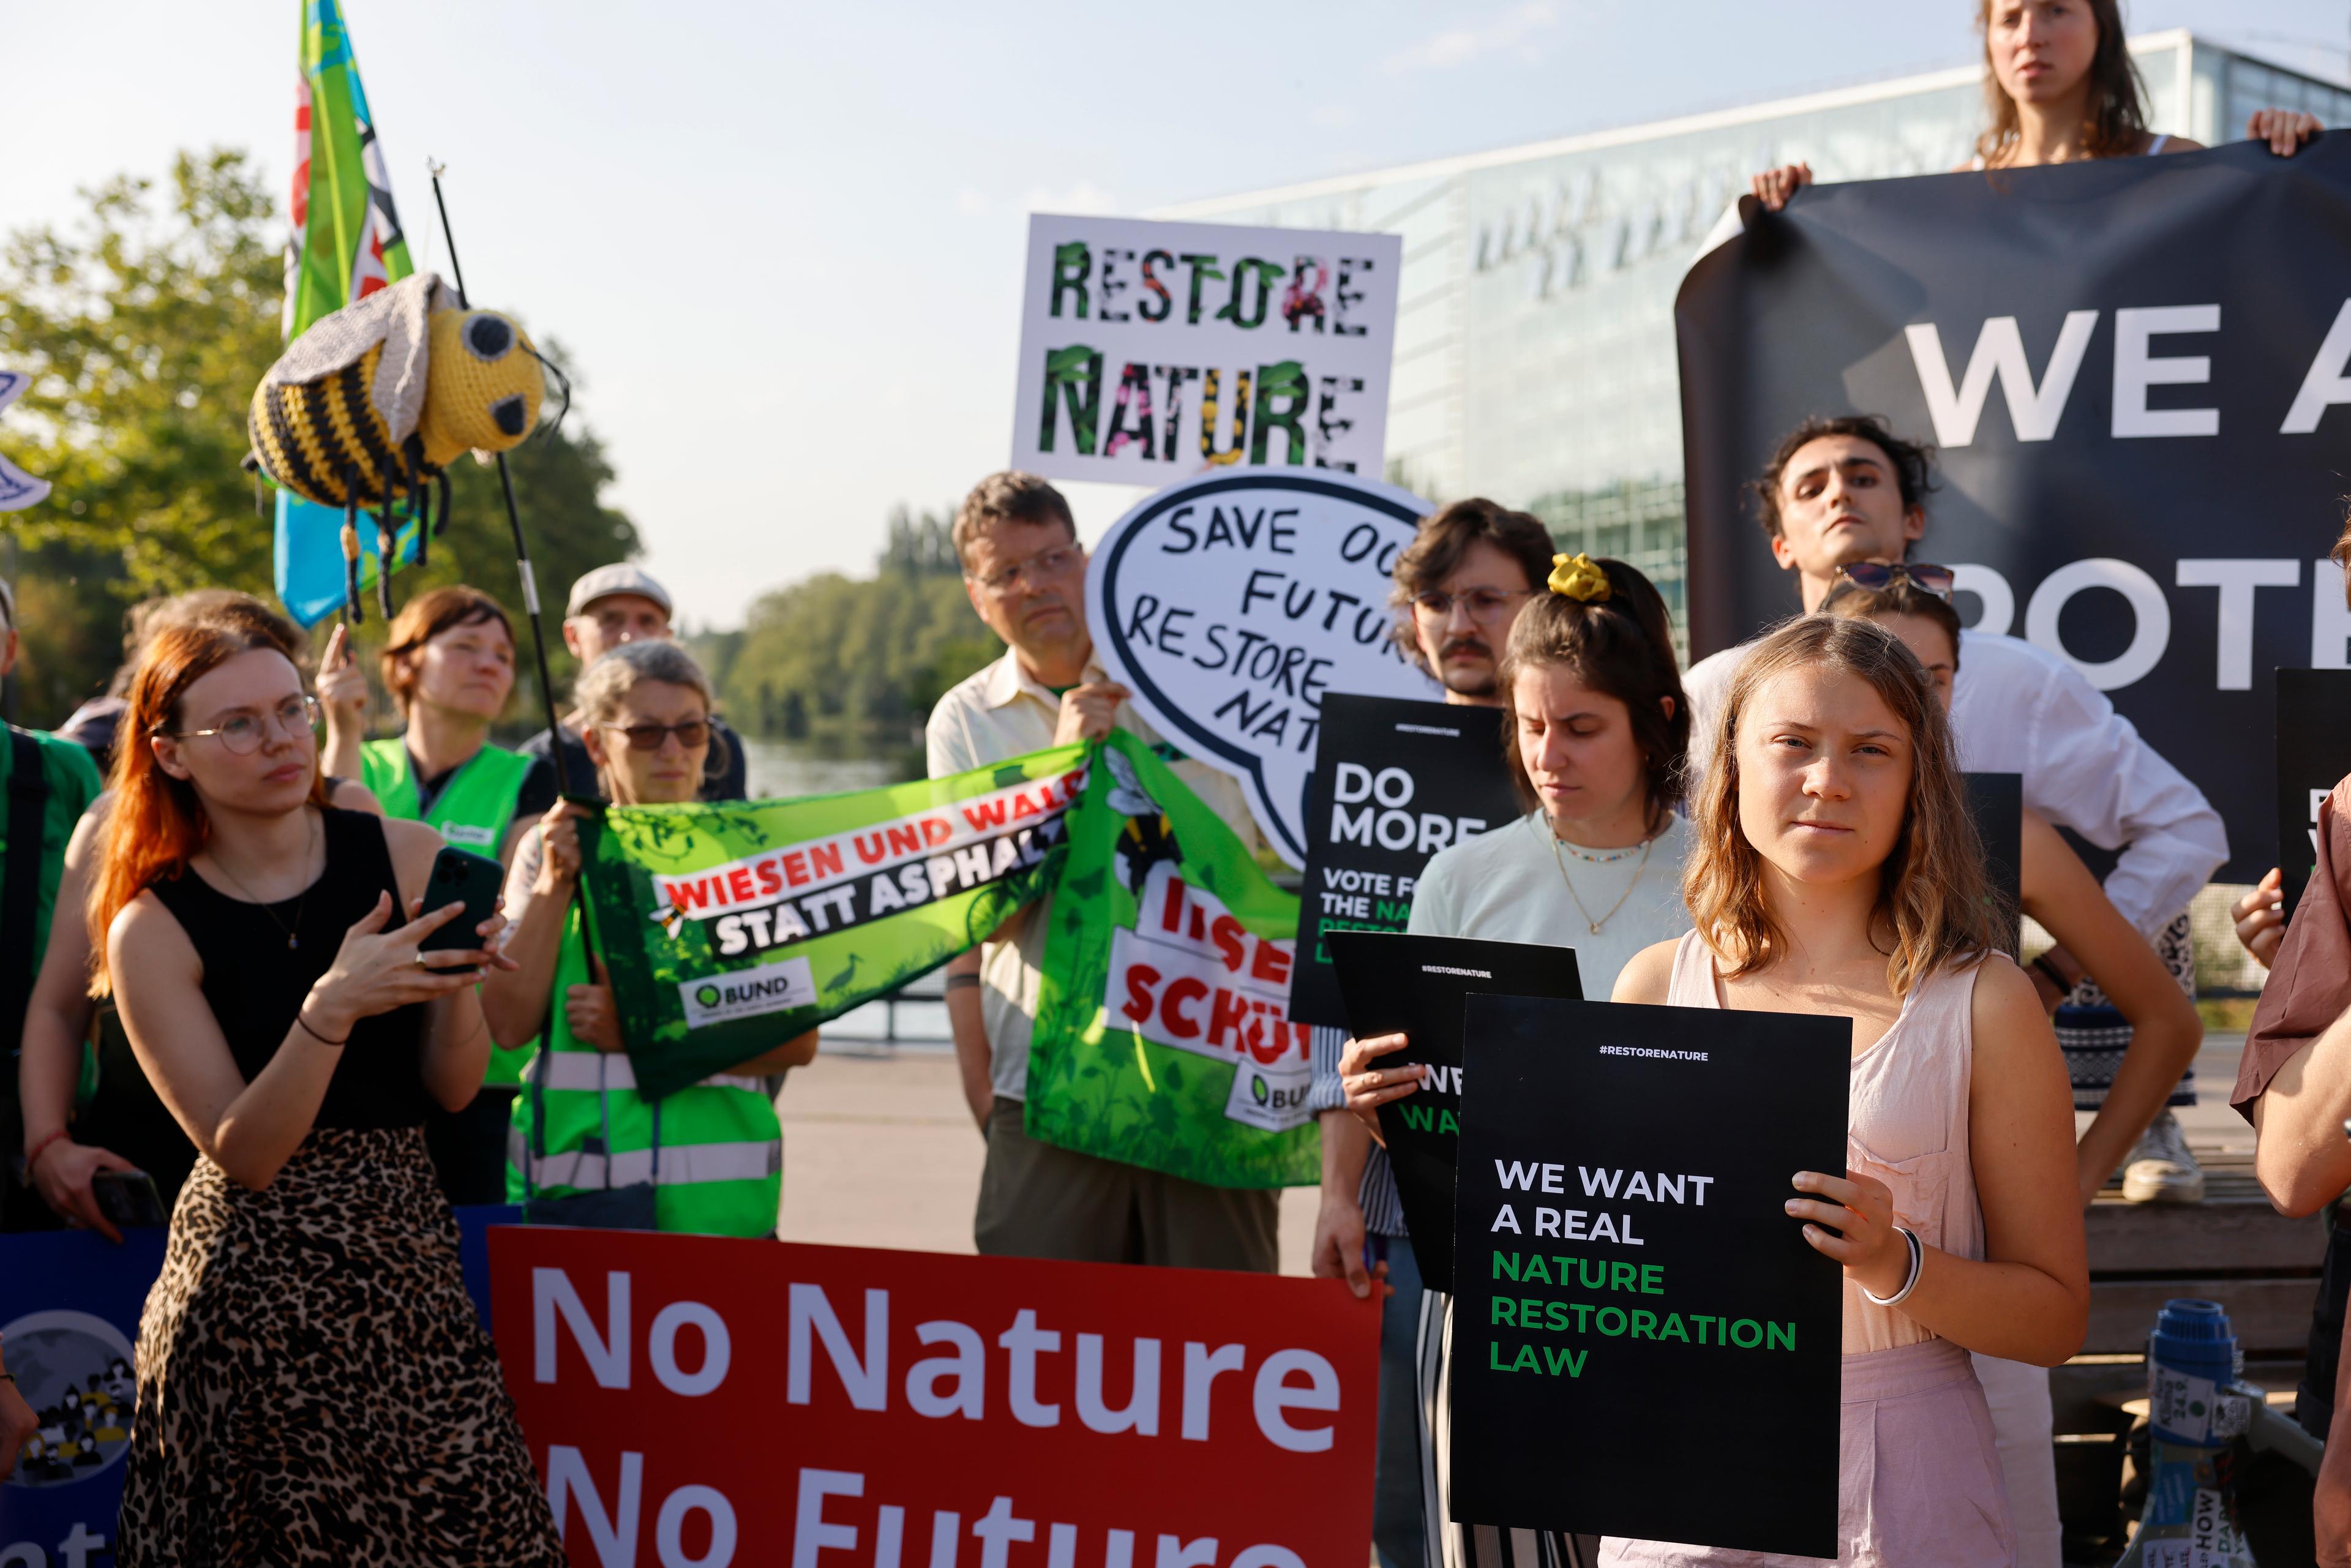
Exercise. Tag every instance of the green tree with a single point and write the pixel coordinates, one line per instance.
(146, 328)
(145, 334)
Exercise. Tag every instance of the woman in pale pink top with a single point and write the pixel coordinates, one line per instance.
(1834, 869)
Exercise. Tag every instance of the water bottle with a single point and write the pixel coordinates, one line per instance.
(2196, 1408)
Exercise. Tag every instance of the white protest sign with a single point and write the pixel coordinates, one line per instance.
(1231, 605)
(1152, 351)
(19, 489)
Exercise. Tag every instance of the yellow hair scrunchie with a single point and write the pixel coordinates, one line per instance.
(1580, 578)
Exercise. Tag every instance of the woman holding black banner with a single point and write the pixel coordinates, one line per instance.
(586, 1148)
(2061, 88)
(2060, 893)
(1835, 870)
(1599, 728)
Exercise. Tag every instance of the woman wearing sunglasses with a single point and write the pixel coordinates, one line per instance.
(708, 1159)
(2163, 1032)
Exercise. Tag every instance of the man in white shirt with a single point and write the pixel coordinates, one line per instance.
(1026, 574)
(1843, 490)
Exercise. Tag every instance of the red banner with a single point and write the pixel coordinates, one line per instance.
(695, 1401)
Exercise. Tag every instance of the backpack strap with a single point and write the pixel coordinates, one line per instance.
(20, 884)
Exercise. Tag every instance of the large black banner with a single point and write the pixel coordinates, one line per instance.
(1394, 781)
(1632, 1301)
(2134, 373)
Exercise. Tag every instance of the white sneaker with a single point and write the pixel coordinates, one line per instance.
(2161, 1169)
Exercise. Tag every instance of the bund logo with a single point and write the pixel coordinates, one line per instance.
(751, 992)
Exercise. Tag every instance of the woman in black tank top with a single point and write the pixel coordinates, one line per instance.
(265, 963)
(260, 961)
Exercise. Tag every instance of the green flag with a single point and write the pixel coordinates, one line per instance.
(1162, 1034)
(728, 928)
(347, 242)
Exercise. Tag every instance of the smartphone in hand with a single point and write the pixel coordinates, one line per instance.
(462, 875)
(128, 1199)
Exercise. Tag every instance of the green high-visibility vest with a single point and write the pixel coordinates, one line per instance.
(473, 812)
(715, 1150)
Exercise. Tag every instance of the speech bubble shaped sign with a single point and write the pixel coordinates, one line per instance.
(1231, 605)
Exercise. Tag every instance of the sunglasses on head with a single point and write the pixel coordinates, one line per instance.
(1873, 575)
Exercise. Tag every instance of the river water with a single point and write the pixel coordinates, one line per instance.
(780, 771)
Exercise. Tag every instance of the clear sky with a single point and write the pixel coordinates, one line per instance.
(782, 243)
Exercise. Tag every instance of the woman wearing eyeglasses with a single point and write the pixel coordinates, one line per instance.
(315, 1386)
(586, 1147)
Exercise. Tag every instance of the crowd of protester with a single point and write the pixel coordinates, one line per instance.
(227, 988)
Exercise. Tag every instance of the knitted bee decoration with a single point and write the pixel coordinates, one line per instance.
(376, 399)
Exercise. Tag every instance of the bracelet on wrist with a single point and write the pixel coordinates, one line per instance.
(33, 1155)
(305, 1025)
(1911, 1282)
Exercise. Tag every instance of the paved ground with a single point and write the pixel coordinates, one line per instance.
(879, 1150)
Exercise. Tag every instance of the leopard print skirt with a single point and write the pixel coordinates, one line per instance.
(314, 1384)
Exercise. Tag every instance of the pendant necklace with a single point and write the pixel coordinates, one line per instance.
(1560, 857)
(293, 939)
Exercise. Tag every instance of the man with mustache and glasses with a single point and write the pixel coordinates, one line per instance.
(1026, 574)
(1459, 587)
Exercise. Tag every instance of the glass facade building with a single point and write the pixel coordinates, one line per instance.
(1534, 349)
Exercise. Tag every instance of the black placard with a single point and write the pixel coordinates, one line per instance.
(1996, 801)
(2314, 753)
(1650, 1149)
(2088, 512)
(1415, 985)
(1394, 783)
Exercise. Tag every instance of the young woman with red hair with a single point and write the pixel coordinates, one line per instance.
(314, 1384)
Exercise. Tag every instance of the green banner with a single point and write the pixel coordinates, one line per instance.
(728, 928)
(1161, 1038)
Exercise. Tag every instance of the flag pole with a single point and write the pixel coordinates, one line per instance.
(514, 522)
